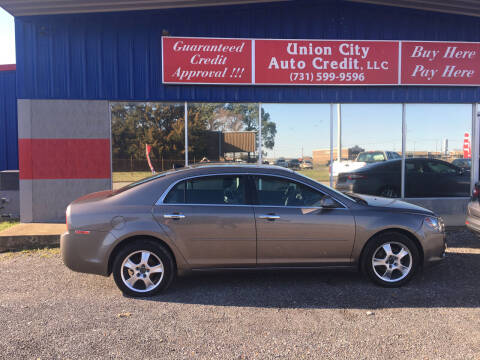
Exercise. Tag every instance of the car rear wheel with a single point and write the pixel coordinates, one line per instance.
(143, 268)
(390, 259)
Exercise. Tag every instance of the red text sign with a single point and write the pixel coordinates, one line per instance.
(440, 63)
(319, 62)
(206, 61)
(305, 62)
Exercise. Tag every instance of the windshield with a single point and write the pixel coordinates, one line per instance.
(371, 157)
(143, 181)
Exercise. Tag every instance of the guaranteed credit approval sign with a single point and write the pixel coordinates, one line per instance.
(318, 62)
(206, 61)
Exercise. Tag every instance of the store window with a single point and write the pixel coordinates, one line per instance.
(438, 150)
(297, 136)
(370, 148)
(147, 137)
(222, 132)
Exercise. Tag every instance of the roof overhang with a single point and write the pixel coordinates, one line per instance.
(47, 7)
(52, 7)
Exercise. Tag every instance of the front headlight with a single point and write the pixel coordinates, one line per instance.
(434, 223)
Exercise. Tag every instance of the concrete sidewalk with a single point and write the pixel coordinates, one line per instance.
(31, 236)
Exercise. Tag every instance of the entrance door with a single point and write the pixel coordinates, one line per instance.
(209, 220)
(292, 228)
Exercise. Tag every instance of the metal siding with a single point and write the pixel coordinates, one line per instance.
(8, 122)
(117, 56)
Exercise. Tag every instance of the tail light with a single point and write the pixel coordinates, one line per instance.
(355, 176)
(476, 192)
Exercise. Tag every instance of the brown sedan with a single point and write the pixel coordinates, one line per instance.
(224, 217)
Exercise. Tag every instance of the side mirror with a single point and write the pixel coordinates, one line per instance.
(328, 203)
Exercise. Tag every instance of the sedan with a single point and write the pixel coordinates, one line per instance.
(244, 217)
(423, 178)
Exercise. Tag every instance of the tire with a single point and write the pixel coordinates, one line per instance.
(400, 264)
(388, 192)
(139, 275)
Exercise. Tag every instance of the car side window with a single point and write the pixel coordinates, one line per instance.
(273, 191)
(439, 168)
(226, 190)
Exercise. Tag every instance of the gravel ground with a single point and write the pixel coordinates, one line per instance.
(47, 311)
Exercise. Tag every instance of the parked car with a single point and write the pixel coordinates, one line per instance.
(281, 162)
(423, 178)
(225, 216)
(473, 211)
(294, 164)
(306, 164)
(362, 159)
(463, 163)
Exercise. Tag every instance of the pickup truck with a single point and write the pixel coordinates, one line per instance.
(363, 158)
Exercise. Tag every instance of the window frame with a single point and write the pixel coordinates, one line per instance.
(243, 177)
(249, 192)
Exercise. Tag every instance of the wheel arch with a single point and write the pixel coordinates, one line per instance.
(407, 233)
(130, 239)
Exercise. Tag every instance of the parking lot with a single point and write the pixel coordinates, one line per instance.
(47, 311)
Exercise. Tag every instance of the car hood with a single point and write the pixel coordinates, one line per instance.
(401, 206)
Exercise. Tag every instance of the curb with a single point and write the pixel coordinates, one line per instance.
(26, 242)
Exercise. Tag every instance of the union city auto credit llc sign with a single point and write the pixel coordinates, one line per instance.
(318, 62)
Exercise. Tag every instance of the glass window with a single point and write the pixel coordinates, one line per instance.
(227, 190)
(274, 191)
(369, 134)
(222, 132)
(438, 141)
(297, 136)
(147, 138)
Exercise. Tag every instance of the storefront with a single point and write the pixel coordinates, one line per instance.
(105, 98)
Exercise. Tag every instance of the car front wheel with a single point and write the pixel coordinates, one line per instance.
(391, 259)
(143, 268)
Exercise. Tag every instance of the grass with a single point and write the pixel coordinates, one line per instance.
(6, 224)
(43, 253)
(320, 174)
(130, 176)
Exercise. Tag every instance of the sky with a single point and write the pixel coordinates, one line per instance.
(7, 38)
(302, 128)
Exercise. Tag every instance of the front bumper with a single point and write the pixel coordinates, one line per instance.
(85, 252)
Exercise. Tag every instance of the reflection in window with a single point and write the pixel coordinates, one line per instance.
(226, 190)
(226, 132)
(281, 192)
(438, 144)
(302, 138)
(371, 144)
(146, 137)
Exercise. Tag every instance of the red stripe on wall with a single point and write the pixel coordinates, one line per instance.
(9, 67)
(64, 158)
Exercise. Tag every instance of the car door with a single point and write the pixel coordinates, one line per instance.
(209, 220)
(448, 180)
(419, 179)
(292, 228)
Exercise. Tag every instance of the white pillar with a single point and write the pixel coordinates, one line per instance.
(404, 150)
(186, 134)
(339, 134)
(331, 144)
(259, 133)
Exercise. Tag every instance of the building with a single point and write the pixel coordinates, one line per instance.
(86, 69)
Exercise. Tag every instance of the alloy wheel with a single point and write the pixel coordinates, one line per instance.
(392, 262)
(142, 271)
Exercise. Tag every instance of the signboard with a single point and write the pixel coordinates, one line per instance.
(440, 63)
(305, 62)
(318, 62)
(206, 61)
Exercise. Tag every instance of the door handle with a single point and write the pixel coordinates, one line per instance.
(269, 217)
(174, 216)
